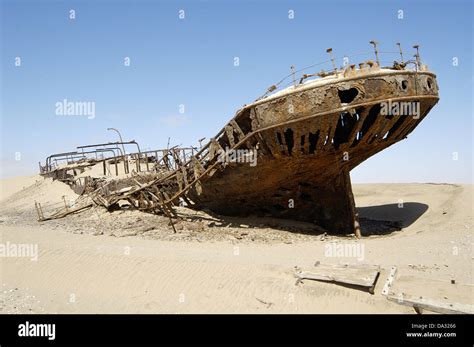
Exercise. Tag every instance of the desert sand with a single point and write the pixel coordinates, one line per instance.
(132, 262)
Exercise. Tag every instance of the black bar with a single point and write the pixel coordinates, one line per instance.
(224, 329)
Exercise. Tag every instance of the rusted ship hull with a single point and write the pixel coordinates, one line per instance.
(308, 140)
(304, 141)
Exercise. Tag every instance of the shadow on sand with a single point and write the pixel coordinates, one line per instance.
(385, 219)
(374, 220)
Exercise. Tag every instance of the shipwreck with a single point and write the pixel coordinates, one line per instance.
(288, 154)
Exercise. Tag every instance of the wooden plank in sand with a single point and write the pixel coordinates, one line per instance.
(431, 305)
(358, 275)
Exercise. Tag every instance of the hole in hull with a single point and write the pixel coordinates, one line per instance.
(397, 125)
(289, 140)
(344, 128)
(369, 121)
(429, 83)
(347, 96)
(313, 140)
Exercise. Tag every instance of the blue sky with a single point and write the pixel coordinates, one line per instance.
(190, 62)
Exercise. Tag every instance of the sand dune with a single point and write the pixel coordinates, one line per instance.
(218, 264)
(13, 185)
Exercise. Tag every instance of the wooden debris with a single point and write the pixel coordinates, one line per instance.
(421, 303)
(389, 281)
(39, 211)
(62, 214)
(357, 275)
